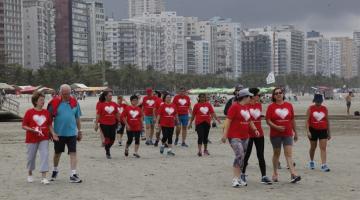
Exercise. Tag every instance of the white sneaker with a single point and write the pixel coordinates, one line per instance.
(235, 183)
(30, 179)
(45, 181)
(242, 182)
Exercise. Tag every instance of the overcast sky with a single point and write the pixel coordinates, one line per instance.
(331, 17)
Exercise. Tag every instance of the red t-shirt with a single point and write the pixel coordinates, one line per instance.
(281, 115)
(318, 117)
(240, 118)
(121, 109)
(107, 112)
(202, 112)
(167, 113)
(182, 104)
(39, 120)
(133, 117)
(255, 113)
(149, 104)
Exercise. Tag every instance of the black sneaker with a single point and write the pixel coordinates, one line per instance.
(295, 179)
(136, 155)
(265, 180)
(75, 179)
(147, 142)
(176, 141)
(54, 175)
(108, 156)
(156, 143)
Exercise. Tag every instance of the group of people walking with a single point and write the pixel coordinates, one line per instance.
(164, 114)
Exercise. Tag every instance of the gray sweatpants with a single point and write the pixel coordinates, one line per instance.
(32, 149)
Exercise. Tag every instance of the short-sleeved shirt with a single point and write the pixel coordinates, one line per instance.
(149, 104)
(318, 117)
(281, 115)
(107, 112)
(133, 117)
(203, 112)
(255, 112)
(182, 103)
(38, 120)
(240, 119)
(167, 113)
(121, 109)
(65, 119)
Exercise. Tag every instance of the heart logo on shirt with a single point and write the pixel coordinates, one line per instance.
(245, 114)
(204, 110)
(169, 110)
(150, 102)
(134, 113)
(282, 113)
(182, 101)
(255, 113)
(318, 115)
(39, 119)
(121, 110)
(109, 109)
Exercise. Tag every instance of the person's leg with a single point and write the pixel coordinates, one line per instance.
(31, 156)
(178, 130)
(71, 145)
(259, 144)
(289, 159)
(184, 134)
(59, 147)
(44, 157)
(105, 129)
(247, 154)
(112, 135)
(130, 136)
(170, 132)
(206, 136)
(323, 145)
(313, 145)
(137, 141)
(200, 132)
(147, 130)
(152, 129)
(239, 152)
(165, 135)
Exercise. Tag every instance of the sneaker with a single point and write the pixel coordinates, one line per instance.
(265, 180)
(126, 152)
(156, 143)
(75, 179)
(199, 154)
(235, 183)
(136, 155)
(30, 179)
(176, 141)
(147, 142)
(44, 181)
(243, 179)
(108, 156)
(325, 168)
(120, 144)
(295, 179)
(54, 175)
(170, 153)
(162, 147)
(311, 165)
(184, 145)
(151, 142)
(206, 153)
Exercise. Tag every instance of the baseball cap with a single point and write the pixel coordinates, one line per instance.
(244, 92)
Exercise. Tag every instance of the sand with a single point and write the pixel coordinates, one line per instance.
(184, 176)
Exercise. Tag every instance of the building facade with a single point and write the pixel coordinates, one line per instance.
(96, 31)
(138, 7)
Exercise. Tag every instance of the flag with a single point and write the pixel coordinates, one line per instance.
(270, 78)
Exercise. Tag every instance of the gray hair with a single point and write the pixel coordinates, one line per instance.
(64, 87)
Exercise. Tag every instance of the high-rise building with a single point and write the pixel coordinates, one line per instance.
(313, 34)
(96, 31)
(138, 7)
(346, 45)
(256, 54)
(72, 32)
(197, 55)
(39, 33)
(11, 38)
(173, 27)
(134, 42)
(208, 32)
(356, 49)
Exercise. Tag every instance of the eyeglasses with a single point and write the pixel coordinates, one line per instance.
(278, 93)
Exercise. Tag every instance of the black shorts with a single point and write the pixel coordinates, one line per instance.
(121, 128)
(318, 134)
(348, 104)
(70, 142)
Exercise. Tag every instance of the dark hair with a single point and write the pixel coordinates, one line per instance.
(35, 97)
(103, 95)
(318, 98)
(165, 95)
(273, 94)
(200, 95)
(133, 97)
(158, 93)
(254, 91)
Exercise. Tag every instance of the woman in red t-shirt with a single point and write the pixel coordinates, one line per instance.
(317, 126)
(280, 117)
(167, 119)
(107, 115)
(203, 112)
(38, 125)
(121, 125)
(133, 119)
(236, 129)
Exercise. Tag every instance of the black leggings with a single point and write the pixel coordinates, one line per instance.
(203, 132)
(131, 135)
(259, 144)
(167, 134)
(109, 132)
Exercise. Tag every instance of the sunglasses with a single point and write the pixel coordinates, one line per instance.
(278, 93)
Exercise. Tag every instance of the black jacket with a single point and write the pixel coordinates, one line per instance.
(228, 104)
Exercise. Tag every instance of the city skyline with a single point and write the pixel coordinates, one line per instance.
(332, 18)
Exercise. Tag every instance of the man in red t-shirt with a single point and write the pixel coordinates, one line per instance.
(183, 106)
(148, 108)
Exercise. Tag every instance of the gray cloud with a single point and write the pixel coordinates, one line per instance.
(332, 17)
